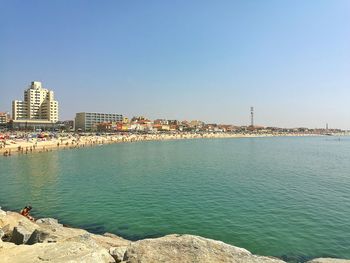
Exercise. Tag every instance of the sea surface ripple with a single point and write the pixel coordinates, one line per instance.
(284, 197)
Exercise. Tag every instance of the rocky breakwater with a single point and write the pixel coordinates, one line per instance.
(46, 240)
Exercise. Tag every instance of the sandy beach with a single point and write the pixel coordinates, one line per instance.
(73, 141)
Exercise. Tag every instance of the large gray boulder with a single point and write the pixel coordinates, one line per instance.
(329, 260)
(83, 239)
(109, 240)
(9, 221)
(39, 236)
(49, 222)
(189, 249)
(72, 252)
(118, 253)
(22, 232)
(20, 235)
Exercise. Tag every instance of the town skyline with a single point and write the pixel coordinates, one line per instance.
(160, 120)
(199, 61)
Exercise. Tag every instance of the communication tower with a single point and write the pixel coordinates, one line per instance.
(252, 116)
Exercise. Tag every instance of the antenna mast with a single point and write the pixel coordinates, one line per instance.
(252, 116)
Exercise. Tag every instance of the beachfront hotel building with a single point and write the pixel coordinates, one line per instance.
(88, 121)
(38, 108)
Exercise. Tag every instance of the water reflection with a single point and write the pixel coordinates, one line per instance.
(33, 179)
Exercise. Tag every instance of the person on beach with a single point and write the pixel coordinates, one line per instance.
(25, 212)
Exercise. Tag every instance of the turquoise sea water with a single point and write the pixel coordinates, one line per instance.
(284, 197)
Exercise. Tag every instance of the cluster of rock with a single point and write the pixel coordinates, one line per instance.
(22, 240)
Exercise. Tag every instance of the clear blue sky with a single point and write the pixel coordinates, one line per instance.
(183, 59)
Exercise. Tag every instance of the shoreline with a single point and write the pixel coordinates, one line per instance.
(48, 240)
(18, 147)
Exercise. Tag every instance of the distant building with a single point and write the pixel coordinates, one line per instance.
(196, 124)
(67, 125)
(173, 122)
(88, 121)
(4, 117)
(137, 118)
(38, 109)
(160, 122)
(106, 127)
(126, 120)
(161, 127)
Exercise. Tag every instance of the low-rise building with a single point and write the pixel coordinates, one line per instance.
(173, 122)
(4, 118)
(33, 125)
(196, 124)
(161, 127)
(161, 122)
(126, 120)
(67, 125)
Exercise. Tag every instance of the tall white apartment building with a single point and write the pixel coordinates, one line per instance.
(38, 104)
